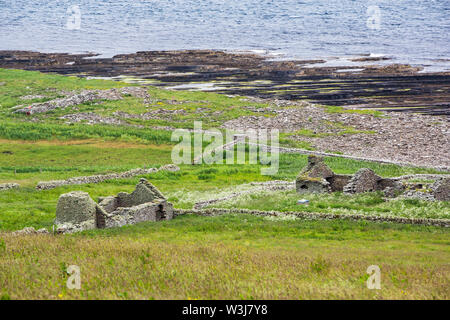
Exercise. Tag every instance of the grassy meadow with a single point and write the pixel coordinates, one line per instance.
(193, 257)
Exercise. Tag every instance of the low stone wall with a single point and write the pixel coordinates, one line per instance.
(46, 185)
(151, 211)
(316, 216)
(8, 186)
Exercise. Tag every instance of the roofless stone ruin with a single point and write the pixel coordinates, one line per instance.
(317, 177)
(76, 211)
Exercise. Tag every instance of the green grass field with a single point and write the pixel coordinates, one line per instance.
(193, 257)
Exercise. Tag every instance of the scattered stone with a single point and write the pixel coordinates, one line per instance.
(403, 138)
(46, 185)
(390, 192)
(31, 97)
(8, 186)
(419, 194)
(82, 97)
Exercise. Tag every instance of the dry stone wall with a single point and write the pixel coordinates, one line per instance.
(46, 185)
(8, 186)
(317, 177)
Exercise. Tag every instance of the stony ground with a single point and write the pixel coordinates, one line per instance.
(402, 137)
(414, 138)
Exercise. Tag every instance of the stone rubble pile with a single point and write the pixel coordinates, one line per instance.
(30, 230)
(400, 137)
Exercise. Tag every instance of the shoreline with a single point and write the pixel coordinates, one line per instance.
(367, 85)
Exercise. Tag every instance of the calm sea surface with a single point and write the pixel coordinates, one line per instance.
(412, 31)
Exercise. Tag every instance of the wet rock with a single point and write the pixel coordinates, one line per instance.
(441, 189)
(365, 180)
(8, 186)
(386, 84)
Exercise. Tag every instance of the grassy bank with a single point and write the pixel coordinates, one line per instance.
(230, 257)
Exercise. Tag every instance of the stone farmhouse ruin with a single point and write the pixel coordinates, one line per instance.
(76, 211)
(317, 177)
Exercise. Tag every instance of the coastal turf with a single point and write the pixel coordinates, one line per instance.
(230, 257)
(191, 257)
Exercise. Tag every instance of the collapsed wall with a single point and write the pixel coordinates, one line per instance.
(76, 211)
